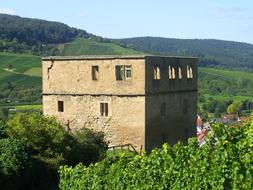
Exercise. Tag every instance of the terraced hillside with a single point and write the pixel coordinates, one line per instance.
(84, 46)
(20, 78)
(225, 84)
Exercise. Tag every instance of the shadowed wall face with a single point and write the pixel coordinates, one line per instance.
(171, 100)
(103, 94)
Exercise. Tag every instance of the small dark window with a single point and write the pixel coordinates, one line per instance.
(60, 106)
(104, 109)
(118, 72)
(163, 109)
(94, 72)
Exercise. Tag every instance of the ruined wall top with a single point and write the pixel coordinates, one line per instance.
(108, 57)
(118, 75)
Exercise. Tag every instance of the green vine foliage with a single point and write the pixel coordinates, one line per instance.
(224, 162)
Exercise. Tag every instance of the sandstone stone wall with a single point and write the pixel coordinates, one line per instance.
(134, 105)
(71, 81)
(74, 77)
(124, 124)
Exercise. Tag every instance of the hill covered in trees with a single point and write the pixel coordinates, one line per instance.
(26, 35)
(211, 53)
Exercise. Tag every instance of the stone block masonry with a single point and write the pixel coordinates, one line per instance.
(141, 100)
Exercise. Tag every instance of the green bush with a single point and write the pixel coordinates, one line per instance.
(224, 162)
(2, 130)
(14, 157)
(87, 147)
(43, 135)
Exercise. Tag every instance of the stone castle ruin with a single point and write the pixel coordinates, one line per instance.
(142, 100)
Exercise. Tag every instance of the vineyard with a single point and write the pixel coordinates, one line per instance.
(224, 162)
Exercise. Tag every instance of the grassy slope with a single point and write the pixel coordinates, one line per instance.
(230, 75)
(227, 73)
(82, 46)
(26, 69)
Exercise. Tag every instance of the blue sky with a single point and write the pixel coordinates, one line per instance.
(216, 19)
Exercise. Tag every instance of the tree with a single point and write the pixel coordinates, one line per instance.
(234, 108)
(87, 147)
(43, 135)
(4, 112)
(14, 157)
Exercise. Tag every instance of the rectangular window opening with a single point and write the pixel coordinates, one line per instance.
(94, 71)
(123, 72)
(104, 109)
(60, 106)
(156, 73)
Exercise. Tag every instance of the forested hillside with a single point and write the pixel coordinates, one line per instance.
(26, 35)
(211, 53)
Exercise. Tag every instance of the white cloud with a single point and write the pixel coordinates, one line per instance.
(7, 11)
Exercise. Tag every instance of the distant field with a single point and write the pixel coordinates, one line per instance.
(25, 69)
(235, 98)
(28, 107)
(227, 73)
(82, 46)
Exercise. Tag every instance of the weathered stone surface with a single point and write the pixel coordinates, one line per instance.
(134, 105)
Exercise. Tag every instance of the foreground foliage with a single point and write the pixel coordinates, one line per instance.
(224, 162)
(32, 147)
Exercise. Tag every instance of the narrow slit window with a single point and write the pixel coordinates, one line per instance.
(104, 109)
(171, 72)
(94, 72)
(60, 106)
(180, 73)
(189, 72)
(156, 73)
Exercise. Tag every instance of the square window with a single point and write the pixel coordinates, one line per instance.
(123, 72)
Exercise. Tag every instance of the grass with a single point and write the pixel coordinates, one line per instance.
(28, 107)
(82, 46)
(227, 73)
(35, 71)
(236, 98)
(26, 69)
